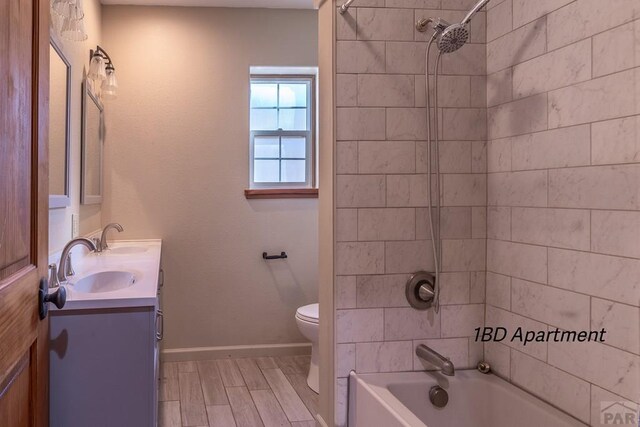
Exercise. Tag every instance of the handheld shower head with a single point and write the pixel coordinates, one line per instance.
(455, 36)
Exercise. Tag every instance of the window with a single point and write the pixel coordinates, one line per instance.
(282, 131)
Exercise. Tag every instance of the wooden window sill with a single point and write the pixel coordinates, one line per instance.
(282, 193)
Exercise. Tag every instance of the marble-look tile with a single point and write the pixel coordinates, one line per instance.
(408, 124)
(381, 291)
(479, 157)
(454, 288)
(354, 191)
(407, 190)
(598, 187)
(360, 123)
(518, 117)
(563, 228)
(461, 320)
(499, 357)
(464, 124)
(562, 67)
(386, 157)
(385, 24)
(603, 98)
(346, 24)
(600, 397)
(476, 352)
(517, 46)
(616, 232)
(557, 148)
(455, 222)
(464, 189)
(382, 90)
(409, 323)
(478, 92)
(499, 290)
(453, 91)
(500, 87)
(517, 260)
(525, 11)
(456, 349)
(496, 317)
(616, 141)
(470, 60)
(499, 223)
(479, 222)
(389, 356)
(346, 157)
(556, 307)
(423, 227)
(407, 58)
(360, 57)
(345, 359)
(621, 321)
(570, 393)
(346, 90)
(478, 287)
(386, 224)
(517, 188)
(342, 399)
(408, 256)
(414, 4)
(361, 325)
(499, 155)
(584, 18)
(499, 20)
(463, 255)
(359, 258)
(345, 292)
(464, 5)
(600, 364)
(455, 156)
(611, 50)
(609, 277)
(346, 225)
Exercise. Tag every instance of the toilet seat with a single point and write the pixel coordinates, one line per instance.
(309, 313)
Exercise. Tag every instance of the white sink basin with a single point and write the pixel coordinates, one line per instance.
(104, 281)
(124, 250)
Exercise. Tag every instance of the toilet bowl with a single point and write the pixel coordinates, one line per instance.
(307, 320)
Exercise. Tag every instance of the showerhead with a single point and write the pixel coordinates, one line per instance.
(454, 36)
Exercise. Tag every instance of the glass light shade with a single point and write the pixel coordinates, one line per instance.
(110, 86)
(62, 7)
(97, 68)
(72, 27)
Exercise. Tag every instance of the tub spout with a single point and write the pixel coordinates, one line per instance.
(433, 357)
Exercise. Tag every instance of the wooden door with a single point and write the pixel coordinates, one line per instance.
(24, 89)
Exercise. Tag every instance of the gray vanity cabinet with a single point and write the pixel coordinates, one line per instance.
(104, 367)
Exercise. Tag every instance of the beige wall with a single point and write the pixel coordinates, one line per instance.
(77, 53)
(563, 205)
(177, 165)
(381, 190)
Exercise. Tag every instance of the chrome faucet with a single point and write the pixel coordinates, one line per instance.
(431, 356)
(64, 258)
(102, 244)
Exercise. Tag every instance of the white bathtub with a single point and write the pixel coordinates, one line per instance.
(475, 400)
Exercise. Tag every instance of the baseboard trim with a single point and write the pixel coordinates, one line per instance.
(221, 352)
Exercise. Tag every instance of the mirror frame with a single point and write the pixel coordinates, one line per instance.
(88, 96)
(64, 200)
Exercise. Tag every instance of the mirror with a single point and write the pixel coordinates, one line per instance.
(92, 141)
(59, 145)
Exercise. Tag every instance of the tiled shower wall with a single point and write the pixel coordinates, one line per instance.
(563, 245)
(381, 216)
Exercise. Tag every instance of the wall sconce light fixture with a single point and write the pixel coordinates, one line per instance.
(103, 73)
(67, 17)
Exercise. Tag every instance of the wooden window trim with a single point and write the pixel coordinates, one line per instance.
(281, 193)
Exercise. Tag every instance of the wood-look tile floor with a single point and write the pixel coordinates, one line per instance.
(251, 392)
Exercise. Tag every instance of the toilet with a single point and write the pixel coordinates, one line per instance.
(307, 320)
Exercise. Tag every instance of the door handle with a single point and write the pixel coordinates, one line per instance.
(59, 297)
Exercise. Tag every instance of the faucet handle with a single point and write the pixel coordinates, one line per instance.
(68, 268)
(96, 241)
(53, 276)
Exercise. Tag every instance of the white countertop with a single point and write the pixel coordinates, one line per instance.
(143, 265)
